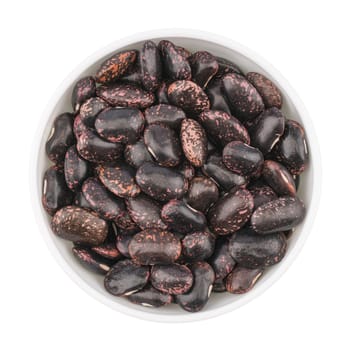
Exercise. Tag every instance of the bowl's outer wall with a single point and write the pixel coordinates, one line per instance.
(293, 108)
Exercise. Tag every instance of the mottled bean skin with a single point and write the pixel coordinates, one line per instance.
(194, 142)
(267, 129)
(90, 109)
(181, 218)
(244, 100)
(226, 66)
(137, 154)
(267, 89)
(160, 183)
(151, 66)
(102, 201)
(120, 124)
(164, 144)
(115, 66)
(216, 97)
(202, 193)
(173, 278)
(125, 95)
(166, 114)
(150, 297)
(94, 149)
(119, 179)
(61, 137)
(252, 250)
(261, 194)
(79, 126)
(282, 214)
(125, 222)
(91, 261)
(188, 96)
(221, 261)
(162, 93)
(198, 246)
(80, 200)
(55, 193)
(292, 150)
(231, 212)
(126, 277)
(84, 89)
(145, 212)
(175, 64)
(79, 225)
(242, 280)
(108, 250)
(123, 244)
(279, 178)
(221, 175)
(223, 128)
(154, 246)
(198, 296)
(242, 159)
(204, 66)
(76, 169)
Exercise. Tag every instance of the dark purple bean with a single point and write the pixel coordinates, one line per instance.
(126, 277)
(226, 66)
(80, 201)
(242, 159)
(216, 97)
(244, 100)
(108, 249)
(94, 149)
(163, 143)
(175, 64)
(198, 246)
(221, 261)
(123, 244)
(252, 250)
(116, 66)
(160, 183)
(125, 95)
(79, 127)
(291, 150)
(204, 66)
(90, 109)
(202, 193)
(183, 52)
(133, 74)
(267, 129)
(120, 124)
(84, 89)
(279, 178)
(261, 194)
(137, 154)
(282, 214)
(269, 92)
(172, 279)
(151, 66)
(119, 179)
(219, 286)
(194, 142)
(153, 246)
(186, 169)
(125, 222)
(61, 137)
(242, 280)
(150, 297)
(162, 93)
(188, 96)
(231, 212)
(91, 261)
(217, 171)
(76, 169)
(166, 114)
(55, 193)
(181, 218)
(79, 225)
(199, 294)
(101, 200)
(223, 128)
(145, 212)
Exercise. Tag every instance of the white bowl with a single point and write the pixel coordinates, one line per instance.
(309, 190)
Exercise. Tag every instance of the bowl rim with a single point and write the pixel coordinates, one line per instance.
(315, 167)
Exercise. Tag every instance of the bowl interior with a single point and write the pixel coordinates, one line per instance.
(93, 283)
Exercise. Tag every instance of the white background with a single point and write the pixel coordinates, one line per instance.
(42, 41)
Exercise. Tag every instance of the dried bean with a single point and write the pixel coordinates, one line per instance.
(242, 280)
(137, 154)
(166, 114)
(204, 67)
(84, 89)
(150, 297)
(91, 261)
(198, 246)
